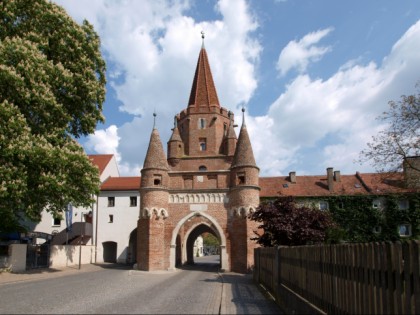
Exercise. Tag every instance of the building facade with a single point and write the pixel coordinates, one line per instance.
(206, 182)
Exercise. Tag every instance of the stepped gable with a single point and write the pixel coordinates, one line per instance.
(203, 91)
(244, 156)
(155, 156)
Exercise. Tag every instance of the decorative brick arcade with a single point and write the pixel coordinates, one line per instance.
(208, 182)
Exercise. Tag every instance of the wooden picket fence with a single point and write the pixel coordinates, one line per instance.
(368, 278)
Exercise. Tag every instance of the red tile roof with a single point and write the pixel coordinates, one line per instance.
(100, 160)
(306, 186)
(121, 183)
(203, 90)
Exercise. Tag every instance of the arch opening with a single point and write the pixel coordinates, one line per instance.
(185, 234)
(132, 248)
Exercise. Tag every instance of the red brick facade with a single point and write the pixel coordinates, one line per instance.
(208, 182)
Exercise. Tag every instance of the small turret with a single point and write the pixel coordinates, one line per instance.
(244, 170)
(175, 146)
(154, 197)
(243, 200)
(230, 140)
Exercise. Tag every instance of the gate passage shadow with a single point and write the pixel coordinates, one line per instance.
(209, 263)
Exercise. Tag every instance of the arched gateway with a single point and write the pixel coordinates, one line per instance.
(208, 182)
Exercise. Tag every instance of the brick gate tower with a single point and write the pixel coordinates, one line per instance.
(208, 182)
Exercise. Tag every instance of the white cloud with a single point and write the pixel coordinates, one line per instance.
(104, 141)
(298, 54)
(342, 109)
(153, 47)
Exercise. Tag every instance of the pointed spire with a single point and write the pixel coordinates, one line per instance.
(155, 156)
(244, 156)
(203, 91)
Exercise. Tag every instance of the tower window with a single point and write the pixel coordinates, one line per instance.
(111, 201)
(111, 218)
(241, 178)
(203, 144)
(201, 123)
(225, 128)
(157, 181)
(202, 168)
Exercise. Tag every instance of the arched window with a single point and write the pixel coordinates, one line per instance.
(202, 168)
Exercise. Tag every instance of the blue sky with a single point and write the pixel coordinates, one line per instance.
(312, 75)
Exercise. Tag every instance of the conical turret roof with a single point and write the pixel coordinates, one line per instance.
(203, 91)
(155, 156)
(244, 156)
(175, 135)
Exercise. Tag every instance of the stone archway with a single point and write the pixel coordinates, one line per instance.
(192, 234)
(204, 220)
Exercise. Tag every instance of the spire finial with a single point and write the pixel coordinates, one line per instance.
(202, 37)
(175, 121)
(243, 115)
(154, 119)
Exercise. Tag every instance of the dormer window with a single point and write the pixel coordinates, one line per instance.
(157, 180)
(201, 123)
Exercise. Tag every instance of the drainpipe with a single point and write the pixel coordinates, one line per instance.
(96, 227)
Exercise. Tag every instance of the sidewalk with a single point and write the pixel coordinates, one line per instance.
(241, 296)
(42, 273)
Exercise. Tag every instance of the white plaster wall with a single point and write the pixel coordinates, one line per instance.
(46, 225)
(110, 170)
(68, 255)
(17, 257)
(124, 222)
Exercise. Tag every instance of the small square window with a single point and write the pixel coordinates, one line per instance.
(323, 205)
(404, 230)
(133, 201)
(111, 201)
(56, 222)
(157, 180)
(377, 230)
(403, 204)
(376, 204)
(241, 178)
(111, 218)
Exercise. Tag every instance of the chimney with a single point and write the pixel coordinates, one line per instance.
(337, 176)
(292, 177)
(330, 178)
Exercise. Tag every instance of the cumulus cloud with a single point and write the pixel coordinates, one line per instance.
(152, 47)
(299, 54)
(337, 115)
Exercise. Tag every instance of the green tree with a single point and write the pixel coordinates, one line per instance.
(399, 140)
(52, 87)
(286, 223)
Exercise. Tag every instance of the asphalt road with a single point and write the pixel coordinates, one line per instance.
(192, 290)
